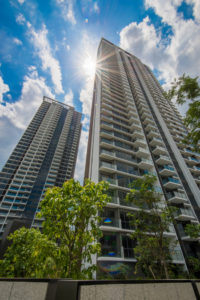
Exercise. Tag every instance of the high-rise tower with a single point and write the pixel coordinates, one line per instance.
(44, 157)
(134, 131)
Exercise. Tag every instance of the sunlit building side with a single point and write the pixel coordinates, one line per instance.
(135, 131)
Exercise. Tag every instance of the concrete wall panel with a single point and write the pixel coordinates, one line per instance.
(28, 291)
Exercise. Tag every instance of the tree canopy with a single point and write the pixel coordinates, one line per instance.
(184, 89)
(69, 236)
(150, 223)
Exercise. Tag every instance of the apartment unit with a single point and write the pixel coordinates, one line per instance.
(44, 157)
(135, 131)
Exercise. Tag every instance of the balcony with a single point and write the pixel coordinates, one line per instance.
(156, 142)
(140, 143)
(163, 160)
(106, 125)
(171, 183)
(107, 167)
(110, 180)
(145, 164)
(106, 133)
(184, 236)
(159, 150)
(176, 197)
(107, 154)
(192, 161)
(152, 134)
(184, 214)
(141, 152)
(107, 143)
(148, 121)
(177, 256)
(135, 124)
(138, 134)
(167, 171)
(195, 170)
(151, 127)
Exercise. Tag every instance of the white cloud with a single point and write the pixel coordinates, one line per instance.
(20, 19)
(17, 41)
(81, 159)
(67, 8)
(172, 58)
(4, 88)
(68, 47)
(21, 112)
(21, 1)
(96, 7)
(69, 98)
(43, 50)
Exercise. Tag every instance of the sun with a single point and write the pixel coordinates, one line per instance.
(89, 66)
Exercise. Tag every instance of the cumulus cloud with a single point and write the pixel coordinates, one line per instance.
(21, 1)
(17, 41)
(69, 98)
(67, 8)
(171, 59)
(21, 112)
(4, 88)
(20, 19)
(43, 50)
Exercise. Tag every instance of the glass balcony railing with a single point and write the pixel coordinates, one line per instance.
(176, 194)
(167, 168)
(109, 180)
(177, 255)
(103, 151)
(194, 159)
(184, 211)
(107, 141)
(108, 165)
(148, 161)
(171, 179)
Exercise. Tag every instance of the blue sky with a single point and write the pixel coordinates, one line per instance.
(49, 48)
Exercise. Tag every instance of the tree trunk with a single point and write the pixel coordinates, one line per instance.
(150, 268)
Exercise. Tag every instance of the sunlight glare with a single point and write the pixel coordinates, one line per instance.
(89, 66)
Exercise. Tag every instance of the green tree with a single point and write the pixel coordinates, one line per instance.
(31, 254)
(70, 228)
(150, 223)
(186, 88)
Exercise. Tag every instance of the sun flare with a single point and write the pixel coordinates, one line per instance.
(89, 66)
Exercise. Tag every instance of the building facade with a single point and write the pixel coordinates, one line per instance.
(44, 157)
(134, 131)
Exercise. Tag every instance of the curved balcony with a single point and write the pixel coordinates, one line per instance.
(137, 134)
(163, 160)
(167, 170)
(141, 152)
(184, 214)
(145, 164)
(159, 151)
(156, 141)
(171, 183)
(176, 197)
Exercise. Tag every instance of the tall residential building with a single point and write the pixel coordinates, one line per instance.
(134, 131)
(44, 157)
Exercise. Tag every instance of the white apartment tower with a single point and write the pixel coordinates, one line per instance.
(134, 131)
